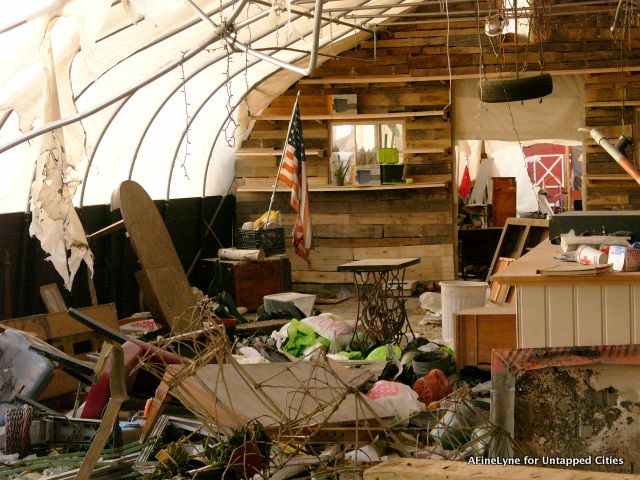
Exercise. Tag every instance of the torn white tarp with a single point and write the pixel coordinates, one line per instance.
(54, 220)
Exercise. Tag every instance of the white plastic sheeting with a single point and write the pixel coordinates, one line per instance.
(558, 115)
(156, 90)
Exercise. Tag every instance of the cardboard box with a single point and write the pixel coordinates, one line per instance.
(624, 259)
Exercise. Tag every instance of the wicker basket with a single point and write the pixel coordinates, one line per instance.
(271, 240)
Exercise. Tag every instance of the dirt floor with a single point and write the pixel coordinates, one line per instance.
(415, 314)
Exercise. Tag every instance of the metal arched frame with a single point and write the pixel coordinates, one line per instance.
(215, 139)
(155, 42)
(148, 125)
(79, 116)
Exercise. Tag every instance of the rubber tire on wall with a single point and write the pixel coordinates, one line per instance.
(515, 89)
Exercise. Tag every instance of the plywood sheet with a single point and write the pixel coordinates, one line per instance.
(273, 394)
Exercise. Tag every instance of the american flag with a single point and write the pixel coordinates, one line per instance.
(293, 172)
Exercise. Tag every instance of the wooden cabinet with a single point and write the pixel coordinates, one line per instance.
(480, 330)
(572, 310)
(249, 282)
(503, 200)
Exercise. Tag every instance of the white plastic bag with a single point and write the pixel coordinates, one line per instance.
(339, 332)
(396, 397)
(431, 301)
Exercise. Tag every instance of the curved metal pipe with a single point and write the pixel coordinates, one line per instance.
(155, 114)
(194, 116)
(148, 126)
(83, 185)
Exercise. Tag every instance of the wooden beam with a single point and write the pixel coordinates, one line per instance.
(431, 78)
(416, 469)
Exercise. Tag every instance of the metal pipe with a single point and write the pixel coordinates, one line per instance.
(148, 126)
(36, 132)
(618, 156)
(150, 44)
(503, 394)
(215, 139)
(313, 59)
(83, 185)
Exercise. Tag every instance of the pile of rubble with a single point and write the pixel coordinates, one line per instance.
(313, 398)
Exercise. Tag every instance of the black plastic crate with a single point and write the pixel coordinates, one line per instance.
(271, 240)
(392, 173)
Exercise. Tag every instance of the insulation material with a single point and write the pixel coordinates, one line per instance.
(558, 115)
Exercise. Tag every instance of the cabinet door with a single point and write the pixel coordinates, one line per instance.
(503, 200)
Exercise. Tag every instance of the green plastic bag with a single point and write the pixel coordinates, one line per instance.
(301, 336)
(382, 354)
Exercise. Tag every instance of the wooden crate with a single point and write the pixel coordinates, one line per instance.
(480, 330)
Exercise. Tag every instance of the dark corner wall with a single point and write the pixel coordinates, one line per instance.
(23, 268)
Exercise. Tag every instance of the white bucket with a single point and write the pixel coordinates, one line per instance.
(458, 295)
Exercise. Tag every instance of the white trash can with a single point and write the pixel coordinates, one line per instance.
(458, 295)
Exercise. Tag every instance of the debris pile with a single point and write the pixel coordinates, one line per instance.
(314, 398)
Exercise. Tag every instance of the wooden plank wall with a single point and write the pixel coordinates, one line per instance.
(610, 101)
(376, 224)
(347, 224)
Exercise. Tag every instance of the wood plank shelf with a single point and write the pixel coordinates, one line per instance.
(425, 150)
(360, 116)
(612, 176)
(332, 188)
(270, 152)
(617, 103)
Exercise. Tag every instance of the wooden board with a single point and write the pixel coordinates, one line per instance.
(274, 393)
(498, 292)
(479, 330)
(417, 469)
(52, 298)
(163, 282)
(50, 326)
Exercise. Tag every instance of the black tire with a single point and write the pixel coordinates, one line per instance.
(515, 89)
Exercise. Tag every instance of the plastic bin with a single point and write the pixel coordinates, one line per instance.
(388, 155)
(271, 240)
(392, 173)
(458, 295)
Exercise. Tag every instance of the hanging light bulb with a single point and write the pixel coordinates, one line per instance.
(495, 25)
